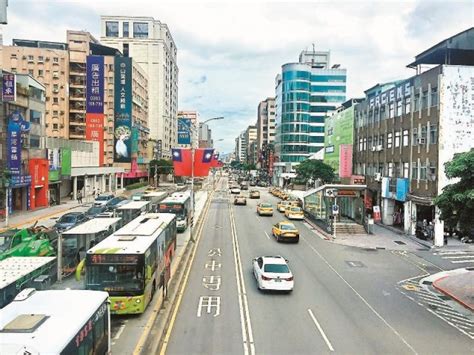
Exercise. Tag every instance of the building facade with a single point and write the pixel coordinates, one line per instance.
(205, 136)
(305, 92)
(47, 62)
(265, 131)
(241, 148)
(406, 131)
(251, 143)
(151, 45)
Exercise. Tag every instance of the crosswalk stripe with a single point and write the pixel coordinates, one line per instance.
(451, 252)
(458, 257)
(457, 316)
(462, 261)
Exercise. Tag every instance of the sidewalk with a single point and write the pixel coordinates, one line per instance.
(457, 284)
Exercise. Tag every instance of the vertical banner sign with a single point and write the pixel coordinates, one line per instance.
(14, 147)
(8, 87)
(345, 160)
(95, 102)
(123, 110)
(184, 130)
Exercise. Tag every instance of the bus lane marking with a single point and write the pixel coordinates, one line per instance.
(212, 282)
(209, 302)
(213, 265)
(328, 343)
(267, 235)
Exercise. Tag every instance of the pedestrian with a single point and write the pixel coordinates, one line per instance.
(79, 197)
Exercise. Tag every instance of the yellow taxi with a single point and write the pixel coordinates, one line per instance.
(265, 209)
(293, 212)
(282, 205)
(285, 231)
(254, 194)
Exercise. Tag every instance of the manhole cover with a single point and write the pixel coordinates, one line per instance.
(426, 282)
(410, 287)
(399, 242)
(355, 263)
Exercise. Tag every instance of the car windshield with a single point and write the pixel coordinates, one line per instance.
(276, 268)
(265, 205)
(103, 198)
(5, 241)
(94, 210)
(287, 227)
(67, 219)
(296, 209)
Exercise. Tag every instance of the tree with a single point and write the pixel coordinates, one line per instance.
(160, 166)
(315, 169)
(457, 200)
(235, 164)
(248, 167)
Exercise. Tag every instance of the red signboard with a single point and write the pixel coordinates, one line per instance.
(95, 132)
(345, 160)
(39, 182)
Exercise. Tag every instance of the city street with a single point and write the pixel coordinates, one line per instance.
(346, 300)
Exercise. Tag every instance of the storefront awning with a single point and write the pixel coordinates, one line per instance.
(421, 200)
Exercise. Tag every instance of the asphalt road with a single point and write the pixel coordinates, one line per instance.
(345, 299)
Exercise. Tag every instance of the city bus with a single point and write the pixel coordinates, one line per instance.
(56, 322)
(20, 272)
(179, 203)
(134, 262)
(77, 240)
(132, 210)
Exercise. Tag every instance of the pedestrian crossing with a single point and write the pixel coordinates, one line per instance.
(438, 304)
(456, 256)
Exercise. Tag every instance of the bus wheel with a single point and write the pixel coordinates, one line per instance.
(153, 290)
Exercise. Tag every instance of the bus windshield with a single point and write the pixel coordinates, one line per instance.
(174, 208)
(5, 241)
(116, 279)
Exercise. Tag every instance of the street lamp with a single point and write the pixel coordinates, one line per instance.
(192, 174)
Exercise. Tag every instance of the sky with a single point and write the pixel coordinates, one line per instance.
(229, 52)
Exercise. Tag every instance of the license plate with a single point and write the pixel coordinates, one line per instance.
(278, 280)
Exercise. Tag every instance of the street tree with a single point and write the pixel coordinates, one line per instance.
(457, 200)
(160, 166)
(315, 169)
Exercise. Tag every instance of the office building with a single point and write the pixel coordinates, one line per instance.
(150, 43)
(305, 92)
(205, 136)
(241, 147)
(251, 145)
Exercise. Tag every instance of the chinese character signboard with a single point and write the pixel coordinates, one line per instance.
(184, 130)
(123, 109)
(345, 160)
(14, 147)
(95, 102)
(8, 87)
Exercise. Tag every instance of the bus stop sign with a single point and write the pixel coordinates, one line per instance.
(335, 209)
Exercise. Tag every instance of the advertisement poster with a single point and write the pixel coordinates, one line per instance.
(95, 102)
(376, 215)
(8, 87)
(16, 125)
(184, 130)
(123, 110)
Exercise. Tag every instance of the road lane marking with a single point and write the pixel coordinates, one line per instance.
(120, 331)
(361, 297)
(247, 335)
(267, 235)
(328, 343)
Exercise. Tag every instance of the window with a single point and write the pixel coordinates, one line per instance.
(35, 116)
(434, 97)
(432, 172)
(369, 143)
(417, 103)
(381, 140)
(55, 100)
(397, 139)
(55, 126)
(406, 170)
(40, 58)
(433, 134)
(399, 108)
(31, 72)
(422, 171)
(424, 100)
(389, 140)
(35, 141)
(55, 87)
(30, 58)
(365, 143)
(125, 29)
(423, 132)
(407, 105)
(414, 171)
(415, 137)
(140, 30)
(390, 169)
(398, 170)
(55, 60)
(360, 144)
(55, 113)
(40, 72)
(405, 138)
(126, 49)
(391, 109)
(111, 29)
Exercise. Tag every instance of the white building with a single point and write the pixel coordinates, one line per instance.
(149, 43)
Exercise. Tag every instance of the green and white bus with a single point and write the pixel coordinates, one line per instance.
(56, 322)
(134, 262)
(179, 203)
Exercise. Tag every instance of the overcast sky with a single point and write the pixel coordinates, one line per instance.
(229, 52)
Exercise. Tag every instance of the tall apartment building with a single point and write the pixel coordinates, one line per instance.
(406, 131)
(305, 92)
(47, 62)
(251, 151)
(205, 136)
(193, 117)
(150, 44)
(265, 131)
(241, 147)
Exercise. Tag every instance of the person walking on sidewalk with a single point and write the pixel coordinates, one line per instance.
(79, 197)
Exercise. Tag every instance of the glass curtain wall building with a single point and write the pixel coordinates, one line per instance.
(305, 93)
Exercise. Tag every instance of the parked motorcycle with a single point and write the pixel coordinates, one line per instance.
(424, 232)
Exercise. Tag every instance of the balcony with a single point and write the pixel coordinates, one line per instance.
(77, 83)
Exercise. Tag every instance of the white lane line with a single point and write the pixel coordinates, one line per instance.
(361, 298)
(120, 331)
(458, 257)
(267, 235)
(462, 261)
(455, 315)
(328, 343)
(450, 323)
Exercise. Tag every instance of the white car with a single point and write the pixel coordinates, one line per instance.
(235, 190)
(273, 273)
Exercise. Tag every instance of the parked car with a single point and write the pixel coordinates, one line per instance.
(240, 200)
(95, 210)
(69, 220)
(102, 200)
(273, 273)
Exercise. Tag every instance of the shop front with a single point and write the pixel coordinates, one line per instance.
(19, 193)
(395, 208)
(39, 183)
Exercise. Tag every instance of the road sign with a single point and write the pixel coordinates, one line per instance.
(330, 192)
(335, 209)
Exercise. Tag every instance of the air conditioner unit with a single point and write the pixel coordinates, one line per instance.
(374, 148)
(421, 140)
(378, 177)
(379, 148)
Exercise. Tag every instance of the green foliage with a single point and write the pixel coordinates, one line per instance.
(248, 167)
(315, 169)
(235, 164)
(136, 185)
(162, 166)
(457, 200)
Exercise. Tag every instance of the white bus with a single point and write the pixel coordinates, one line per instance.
(56, 322)
(179, 203)
(133, 263)
(132, 210)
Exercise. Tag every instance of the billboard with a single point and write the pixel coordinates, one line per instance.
(345, 161)
(184, 130)
(123, 110)
(8, 87)
(16, 125)
(95, 102)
